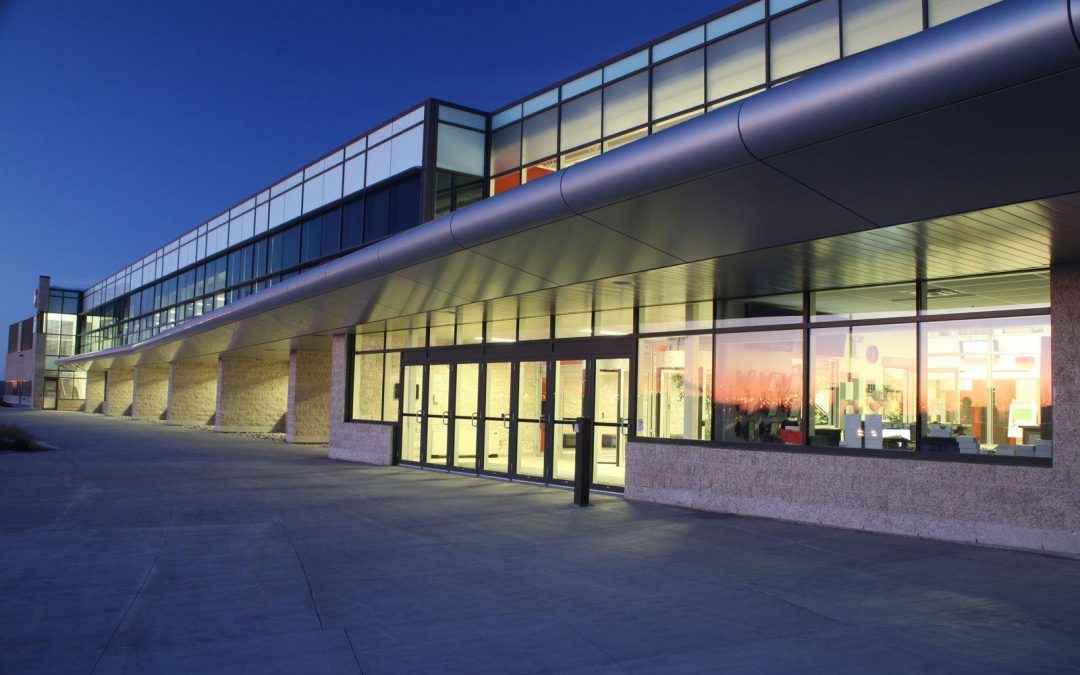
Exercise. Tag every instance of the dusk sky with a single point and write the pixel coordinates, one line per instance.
(124, 123)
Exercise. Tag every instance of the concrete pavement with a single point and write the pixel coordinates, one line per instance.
(140, 548)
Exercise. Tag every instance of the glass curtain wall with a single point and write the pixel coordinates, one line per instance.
(704, 68)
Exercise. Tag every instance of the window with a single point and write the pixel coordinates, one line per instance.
(506, 148)
(352, 228)
(988, 387)
(367, 386)
(805, 38)
(581, 119)
(940, 11)
(678, 84)
(540, 136)
(759, 384)
(626, 104)
(762, 311)
(871, 302)
(674, 397)
(377, 214)
(736, 63)
(863, 386)
(869, 23)
(671, 318)
(405, 203)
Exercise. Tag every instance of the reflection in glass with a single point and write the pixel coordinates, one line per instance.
(862, 384)
(762, 311)
(988, 387)
(626, 104)
(868, 302)
(1024, 290)
(759, 382)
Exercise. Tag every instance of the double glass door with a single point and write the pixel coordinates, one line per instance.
(515, 418)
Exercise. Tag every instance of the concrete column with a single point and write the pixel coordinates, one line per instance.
(151, 392)
(95, 392)
(252, 395)
(308, 416)
(119, 391)
(192, 395)
(364, 442)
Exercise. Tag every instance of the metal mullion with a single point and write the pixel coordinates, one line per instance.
(806, 356)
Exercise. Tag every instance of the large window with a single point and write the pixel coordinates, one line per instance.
(957, 366)
(988, 386)
(863, 386)
(376, 391)
(759, 382)
(674, 394)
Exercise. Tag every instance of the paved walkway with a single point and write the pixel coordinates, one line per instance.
(140, 548)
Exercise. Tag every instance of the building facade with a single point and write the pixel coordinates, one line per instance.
(811, 260)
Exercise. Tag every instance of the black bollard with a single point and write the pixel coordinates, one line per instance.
(583, 460)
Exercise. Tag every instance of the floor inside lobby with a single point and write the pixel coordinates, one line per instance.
(143, 548)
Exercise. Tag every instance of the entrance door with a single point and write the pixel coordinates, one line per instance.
(412, 406)
(498, 392)
(569, 405)
(50, 393)
(437, 414)
(532, 419)
(466, 415)
(610, 421)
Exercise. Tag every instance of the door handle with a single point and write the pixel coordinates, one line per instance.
(446, 418)
(473, 418)
(624, 425)
(505, 420)
(543, 419)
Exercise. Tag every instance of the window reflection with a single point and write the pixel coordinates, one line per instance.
(759, 382)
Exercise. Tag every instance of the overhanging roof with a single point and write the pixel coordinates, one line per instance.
(846, 176)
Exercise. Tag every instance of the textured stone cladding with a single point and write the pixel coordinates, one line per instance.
(192, 393)
(253, 395)
(120, 386)
(1035, 508)
(95, 392)
(366, 442)
(151, 394)
(308, 417)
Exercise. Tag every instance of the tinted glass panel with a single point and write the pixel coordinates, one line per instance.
(679, 84)
(352, 231)
(759, 383)
(377, 214)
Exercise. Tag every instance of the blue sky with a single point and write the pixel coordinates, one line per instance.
(123, 123)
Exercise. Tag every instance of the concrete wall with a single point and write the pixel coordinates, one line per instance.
(308, 417)
(119, 391)
(253, 395)
(95, 392)
(1021, 507)
(151, 393)
(192, 395)
(369, 443)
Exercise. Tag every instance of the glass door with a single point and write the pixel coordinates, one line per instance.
(569, 402)
(437, 415)
(49, 402)
(610, 421)
(496, 427)
(466, 415)
(531, 419)
(412, 405)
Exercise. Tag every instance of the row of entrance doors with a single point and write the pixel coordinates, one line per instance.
(516, 418)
